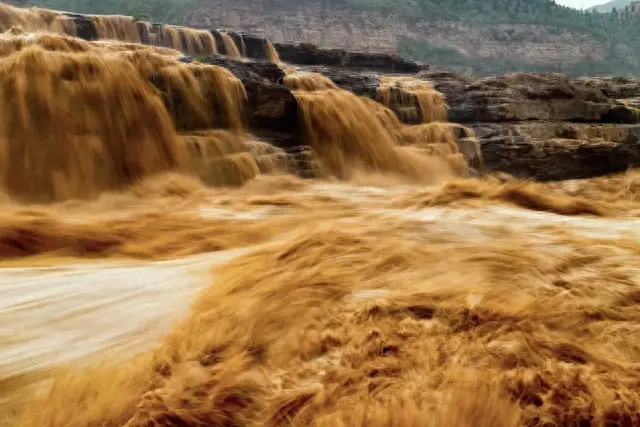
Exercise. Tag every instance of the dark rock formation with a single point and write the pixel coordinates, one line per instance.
(581, 141)
(541, 125)
(143, 32)
(615, 87)
(266, 70)
(310, 54)
(272, 110)
(472, 152)
(256, 46)
(220, 47)
(85, 27)
(363, 83)
(528, 96)
(382, 62)
(555, 151)
(305, 164)
(547, 126)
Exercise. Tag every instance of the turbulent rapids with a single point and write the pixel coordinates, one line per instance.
(162, 265)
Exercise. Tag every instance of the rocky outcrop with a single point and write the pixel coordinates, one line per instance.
(556, 150)
(310, 54)
(272, 110)
(621, 88)
(256, 46)
(363, 83)
(542, 125)
(335, 25)
(530, 96)
(548, 126)
(85, 26)
(536, 125)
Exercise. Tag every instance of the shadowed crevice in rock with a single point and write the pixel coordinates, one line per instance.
(272, 110)
(85, 26)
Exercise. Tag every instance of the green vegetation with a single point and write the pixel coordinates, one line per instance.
(545, 12)
(477, 11)
(608, 7)
(603, 26)
(449, 58)
(157, 10)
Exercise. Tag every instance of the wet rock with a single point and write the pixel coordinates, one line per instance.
(256, 46)
(310, 54)
(266, 70)
(460, 131)
(237, 39)
(529, 96)
(383, 62)
(220, 47)
(363, 83)
(556, 151)
(271, 108)
(143, 32)
(85, 27)
(472, 152)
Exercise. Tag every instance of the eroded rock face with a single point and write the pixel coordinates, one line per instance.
(615, 87)
(363, 83)
(543, 155)
(310, 54)
(541, 125)
(529, 96)
(85, 26)
(272, 110)
(256, 47)
(548, 126)
(333, 25)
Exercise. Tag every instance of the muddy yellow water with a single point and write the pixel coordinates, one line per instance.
(63, 313)
(284, 302)
(160, 266)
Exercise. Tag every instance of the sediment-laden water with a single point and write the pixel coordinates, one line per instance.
(161, 266)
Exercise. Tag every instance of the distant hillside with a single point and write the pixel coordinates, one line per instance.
(608, 7)
(478, 36)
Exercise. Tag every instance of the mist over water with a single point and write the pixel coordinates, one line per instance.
(161, 266)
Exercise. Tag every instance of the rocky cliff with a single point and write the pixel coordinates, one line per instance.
(374, 31)
(546, 126)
